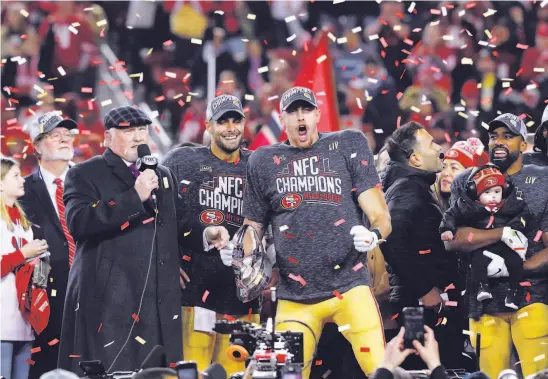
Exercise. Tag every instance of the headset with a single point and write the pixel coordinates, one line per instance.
(471, 188)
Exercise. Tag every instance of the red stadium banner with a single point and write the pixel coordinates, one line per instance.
(317, 74)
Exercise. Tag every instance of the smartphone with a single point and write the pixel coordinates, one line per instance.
(187, 370)
(414, 326)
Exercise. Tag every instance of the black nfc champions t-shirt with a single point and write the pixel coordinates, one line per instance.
(212, 191)
(310, 198)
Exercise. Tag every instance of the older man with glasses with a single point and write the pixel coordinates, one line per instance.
(53, 139)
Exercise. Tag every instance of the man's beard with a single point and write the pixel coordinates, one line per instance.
(58, 156)
(227, 149)
(504, 163)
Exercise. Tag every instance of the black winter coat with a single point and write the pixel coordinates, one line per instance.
(415, 254)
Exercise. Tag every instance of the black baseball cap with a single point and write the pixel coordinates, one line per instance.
(223, 104)
(297, 94)
(510, 121)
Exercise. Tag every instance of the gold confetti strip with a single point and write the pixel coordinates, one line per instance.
(101, 23)
(140, 340)
(489, 12)
(24, 13)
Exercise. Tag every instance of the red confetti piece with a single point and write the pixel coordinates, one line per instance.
(293, 260)
(188, 310)
(338, 295)
(450, 303)
(83, 146)
(365, 163)
(470, 5)
(186, 258)
(319, 362)
(525, 284)
(353, 190)
(364, 350)
(287, 235)
(159, 98)
(449, 287)
(102, 33)
(204, 296)
(249, 313)
(111, 203)
(86, 90)
(148, 220)
(74, 356)
(383, 42)
(168, 42)
(528, 297)
(35, 350)
(522, 46)
(395, 316)
(99, 329)
(276, 160)
(519, 72)
(309, 236)
(470, 237)
(124, 225)
(173, 365)
(422, 252)
(538, 236)
(229, 318)
(297, 278)
(53, 342)
(125, 123)
(340, 222)
(358, 267)
(439, 321)
(30, 362)
(135, 317)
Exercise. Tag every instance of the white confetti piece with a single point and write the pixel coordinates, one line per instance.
(467, 332)
(356, 51)
(538, 69)
(378, 131)
(175, 317)
(75, 24)
(411, 7)
(24, 13)
(249, 97)
(359, 102)
(219, 12)
(291, 37)
(342, 40)
(444, 11)
(290, 18)
(338, 1)
(101, 23)
(106, 102)
(467, 61)
(263, 69)
(140, 340)
(154, 114)
(61, 71)
(251, 16)
(326, 374)
(108, 344)
(73, 29)
(489, 12)
(331, 36)
(373, 37)
(344, 328)
(37, 87)
(166, 182)
(357, 29)
(77, 307)
(447, 38)
(171, 74)
(353, 155)
(196, 41)
(185, 182)
(283, 228)
(321, 59)
(539, 358)
(544, 2)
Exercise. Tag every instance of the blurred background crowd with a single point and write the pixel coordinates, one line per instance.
(453, 66)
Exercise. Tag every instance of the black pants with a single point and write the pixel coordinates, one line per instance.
(513, 262)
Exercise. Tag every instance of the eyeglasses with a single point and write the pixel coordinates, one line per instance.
(56, 137)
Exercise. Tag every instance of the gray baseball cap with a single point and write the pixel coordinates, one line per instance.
(223, 104)
(512, 122)
(47, 122)
(297, 94)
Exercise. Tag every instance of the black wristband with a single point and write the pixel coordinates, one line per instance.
(378, 233)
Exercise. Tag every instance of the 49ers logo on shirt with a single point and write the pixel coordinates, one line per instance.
(291, 200)
(212, 217)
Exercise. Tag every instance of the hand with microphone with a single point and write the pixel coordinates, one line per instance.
(147, 182)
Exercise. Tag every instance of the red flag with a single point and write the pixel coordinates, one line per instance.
(317, 74)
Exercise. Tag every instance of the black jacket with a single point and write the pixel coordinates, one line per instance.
(115, 246)
(415, 254)
(40, 210)
(382, 373)
(467, 212)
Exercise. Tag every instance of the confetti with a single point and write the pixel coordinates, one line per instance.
(24, 13)
(337, 267)
(108, 344)
(53, 292)
(319, 362)
(525, 284)
(74, 356)
(262, 70)
(229, 318)
(135, 317)
(357, 267)
(344, 328)
(421, 252)
(338, 295)
(293, 260)
(321, 59)
(538, 236)
(186, 258)
(364, 350)
(276, 160)
(470, 237)
(326, 374)
(124, 225)
(539, 358)
(373, 37)
(522, 46)
(467, 332)
(340, 222)
(61, 71)
(35, 350)
(187, 233)
(175, 317)
(204, 296)
(140, 340)
(528, 297)
(451, 303)
(522, 315)
(283, 228)
(73, 29)
(196, 41)
(99, 328)
(251, 16)
(30, 362)
(106, 102)
(449, 287)
(467, 61)
(148, 220)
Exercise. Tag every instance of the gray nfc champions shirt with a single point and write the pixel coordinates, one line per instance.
(212, 191)
(310, 198)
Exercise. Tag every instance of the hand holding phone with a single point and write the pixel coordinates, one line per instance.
(414, 326)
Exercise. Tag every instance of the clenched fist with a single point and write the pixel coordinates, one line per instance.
(146, 183)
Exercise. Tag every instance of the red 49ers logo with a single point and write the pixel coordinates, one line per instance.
(492, 181)
(291, 200)
(212, 217)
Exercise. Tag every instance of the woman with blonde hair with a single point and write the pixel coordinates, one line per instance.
(17, 245)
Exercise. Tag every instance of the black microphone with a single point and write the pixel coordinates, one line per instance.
(156, 358)
(215, 371)
(144, 162)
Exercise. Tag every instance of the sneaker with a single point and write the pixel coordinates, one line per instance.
(511, 299)
(484, 293)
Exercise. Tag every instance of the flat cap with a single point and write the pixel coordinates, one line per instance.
(126, 117)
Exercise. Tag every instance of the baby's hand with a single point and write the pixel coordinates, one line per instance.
(447, 236)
